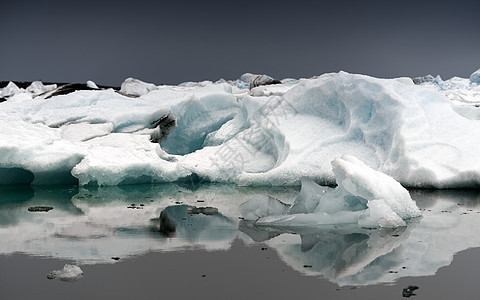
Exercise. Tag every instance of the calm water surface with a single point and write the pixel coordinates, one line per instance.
(186, 240)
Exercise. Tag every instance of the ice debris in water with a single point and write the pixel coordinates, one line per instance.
(363, 196)
(68, 273)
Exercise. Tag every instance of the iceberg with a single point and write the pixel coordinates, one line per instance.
(422, 135)
(363, 196)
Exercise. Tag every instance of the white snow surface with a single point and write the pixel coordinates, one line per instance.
(421, 135)
(364, 197)
(464, 93)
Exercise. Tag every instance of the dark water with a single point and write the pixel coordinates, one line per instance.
(166, 243)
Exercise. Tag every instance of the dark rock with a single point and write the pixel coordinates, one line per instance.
(164, 126)
(69, 88)
(115, 258)
(307, 266)
(346, 288)
(408, 292)
(263, 80)
(423, 79)
(40, 208)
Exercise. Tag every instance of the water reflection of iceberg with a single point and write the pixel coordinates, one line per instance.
(335, 252)
(348, 255)
(196, 224)
(92, 225)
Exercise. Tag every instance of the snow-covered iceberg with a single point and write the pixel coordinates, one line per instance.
(364, 197)
(227, 131)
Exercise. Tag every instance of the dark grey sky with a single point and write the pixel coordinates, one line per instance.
(168, 42)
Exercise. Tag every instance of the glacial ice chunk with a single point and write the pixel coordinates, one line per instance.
(308, 198)
(136, 87)
(92, 84)
(475, 77)
(68, 273)
(37, 87)
(10, 90)
(359, 180)
(364, 197)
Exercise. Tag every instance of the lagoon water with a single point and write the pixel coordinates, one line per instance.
(188, 240)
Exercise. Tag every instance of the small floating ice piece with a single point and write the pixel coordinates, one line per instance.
(68, 273)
